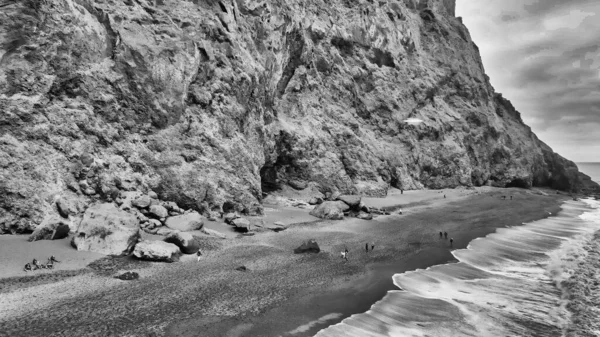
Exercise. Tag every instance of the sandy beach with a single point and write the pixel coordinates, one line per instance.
(281, 293)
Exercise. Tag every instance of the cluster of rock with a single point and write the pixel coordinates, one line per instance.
(339, 206)
(243, 225)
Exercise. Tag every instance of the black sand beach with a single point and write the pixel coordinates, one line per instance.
(281, 292)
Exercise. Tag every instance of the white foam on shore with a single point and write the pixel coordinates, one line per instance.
(504, 285)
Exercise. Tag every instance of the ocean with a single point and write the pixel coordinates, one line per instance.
(591, 169)
(538, 279)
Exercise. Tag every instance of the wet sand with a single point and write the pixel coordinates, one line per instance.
(281, 293)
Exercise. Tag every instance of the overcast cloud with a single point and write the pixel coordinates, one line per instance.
(544, 56)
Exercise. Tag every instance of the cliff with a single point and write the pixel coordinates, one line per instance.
(211, 103)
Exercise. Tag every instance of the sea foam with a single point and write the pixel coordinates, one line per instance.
(519, 281)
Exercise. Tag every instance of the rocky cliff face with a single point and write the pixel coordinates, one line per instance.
(214, 102)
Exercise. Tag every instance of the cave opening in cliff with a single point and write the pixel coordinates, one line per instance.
(520, 183)
(268, 179)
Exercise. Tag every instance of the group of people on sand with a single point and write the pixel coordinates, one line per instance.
(344, 254)
(445, 235)
(35, 264)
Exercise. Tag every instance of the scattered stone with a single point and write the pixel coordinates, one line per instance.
(52, 228)
(332, 210)
(241, 225)
(351, 200)
(86, 159)
(334, 196)
(141, 202)
(185, 241)
(153, 195)
(365, 216)
(277, 226)
(128, 276)
(154, 223)
(241, 268)
(142, 217)
(158, 211)
(229, 217)
(171, 206)
(156, 251)
(107, 230)
(185, 222)
(89, 191)
(309, 246)
(315, 201)
(65, 207)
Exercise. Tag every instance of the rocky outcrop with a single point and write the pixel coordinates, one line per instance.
(159, 251)
(186, 222)
(52, 228)
(332, 210)
(107, 230)
(211, 103)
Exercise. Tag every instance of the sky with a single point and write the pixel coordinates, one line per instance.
(544, 56)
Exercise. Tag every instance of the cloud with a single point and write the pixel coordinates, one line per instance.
(544, 55)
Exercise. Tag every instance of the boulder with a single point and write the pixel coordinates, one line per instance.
(185, 222)
(185, 241)
(241, 225)
(128, 276)
(229, 217)
(351, 200)
(152, 195)
(107, 230)
(315, 201)
(52, 228)
(142, 202)
(156, 251)
(65, 207)
(154, 223)
(241, 268)
(309, 246)
(164, 231)
(213, 233)
(277, 226)
(333, 210)
(158, 211)
(298, 184)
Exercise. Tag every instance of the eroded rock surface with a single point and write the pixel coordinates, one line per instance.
(211, 103)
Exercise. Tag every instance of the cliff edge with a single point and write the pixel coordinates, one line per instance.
(213, 102)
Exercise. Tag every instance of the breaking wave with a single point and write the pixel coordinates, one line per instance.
(530, 280)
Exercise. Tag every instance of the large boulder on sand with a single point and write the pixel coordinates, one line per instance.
(351, 200)
(333, 210)
(107, 230)
(309, 246)
(185, 241)
(241, 225)
(186, 222)
(52, 228)
(156, 251)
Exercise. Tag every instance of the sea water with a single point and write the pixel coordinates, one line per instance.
(530, 280)
(591, 169)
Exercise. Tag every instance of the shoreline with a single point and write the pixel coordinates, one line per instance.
(282, 292)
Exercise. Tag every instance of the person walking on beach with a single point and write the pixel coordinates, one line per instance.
(367, 247)
(199, 253)
(444, 196)
(445, 235)
(441, 235)
(451, 241)
(372, 246)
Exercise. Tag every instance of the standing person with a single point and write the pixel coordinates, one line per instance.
(346, 254)
(367, 247)
(446, 235)
(451, 241)
(401, 191)
(199, 253)
(372, 246)
(444, 196)
(441, 235)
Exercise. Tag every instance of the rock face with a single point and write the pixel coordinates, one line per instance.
(107, 230)
(309, 246)
(332, 210)
(214, 102)
(156, 251)
(185, 241)
(185, 222)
